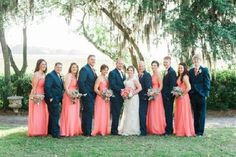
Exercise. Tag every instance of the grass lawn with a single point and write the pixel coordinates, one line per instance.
(217, 142)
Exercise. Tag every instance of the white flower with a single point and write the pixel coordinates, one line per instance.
(130, 95)
(200, 71)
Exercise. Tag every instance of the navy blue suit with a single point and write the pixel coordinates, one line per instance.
(200, 87)
(169, 81)
(53, 89)
(146, 83)
(116, 83)
(86, 84)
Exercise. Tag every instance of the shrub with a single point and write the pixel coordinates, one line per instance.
(223, 91)
(222, 94)
(23, 87)
(20, 86)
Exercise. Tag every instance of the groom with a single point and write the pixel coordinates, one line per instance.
(145, 80)
(53, 89)
(200, 82)
(116, 78)
(87, 78)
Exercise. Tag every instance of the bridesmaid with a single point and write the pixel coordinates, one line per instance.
(156, 122)
(102, 107)
(183, 119)
(38, 112)
(70, 123)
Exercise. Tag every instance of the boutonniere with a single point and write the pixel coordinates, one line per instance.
(165, 72)
(62, 77)
(199, 71)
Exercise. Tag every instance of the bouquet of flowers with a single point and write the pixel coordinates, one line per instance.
(127, 93)
(76, 95)
(177, 90)
(107, 93)
(37, 98)
(152, 93)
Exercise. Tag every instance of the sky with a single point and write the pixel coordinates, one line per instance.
(54, 33)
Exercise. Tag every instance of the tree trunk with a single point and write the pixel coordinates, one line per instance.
(7, 72)
(13, 64)
(133, 58)
(6, 56)
(25, 64)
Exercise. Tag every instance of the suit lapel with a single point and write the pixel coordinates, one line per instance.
(118, 73)
(141, 77)
(168, 72)
(91, 71)
(58, 80)
(199, 72)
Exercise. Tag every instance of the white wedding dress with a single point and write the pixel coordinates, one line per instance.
(129, 124)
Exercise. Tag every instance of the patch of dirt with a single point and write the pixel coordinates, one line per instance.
(215, 119)
(227, 113)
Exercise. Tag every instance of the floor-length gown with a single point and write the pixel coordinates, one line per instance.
(130, 124)
(70, 122)
(101, 113)
(156, 122)
(38, 113)
(183, 118)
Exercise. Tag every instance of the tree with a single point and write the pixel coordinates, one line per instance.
(206, 25)
(129, 23)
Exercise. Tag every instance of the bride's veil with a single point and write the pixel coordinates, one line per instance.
(135, 73)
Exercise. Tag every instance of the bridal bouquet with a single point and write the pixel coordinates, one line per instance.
(76, 95)
(107, 93)
(152, 93)
(37, 98)
(177, 90)
(127, 93)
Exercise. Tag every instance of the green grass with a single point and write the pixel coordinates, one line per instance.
(216, 143)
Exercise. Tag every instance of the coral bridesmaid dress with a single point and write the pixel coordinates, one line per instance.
(38, 114)
(183, 119)
(70, 123)
(156, 122)
(101, 113)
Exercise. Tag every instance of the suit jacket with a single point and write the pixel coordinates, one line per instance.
(87, 80)
(200, 83)
(116, 83)
(53, 87)
(146, 83)
(169, 81)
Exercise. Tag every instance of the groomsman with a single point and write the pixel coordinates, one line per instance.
(200, 82)
(169, 81)
(145, 80)
(86, 82)
(53, 89)
(116, 78)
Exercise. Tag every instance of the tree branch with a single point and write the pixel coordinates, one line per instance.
(86, 35)
(121, 26)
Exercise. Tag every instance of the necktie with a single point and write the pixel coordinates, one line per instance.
(121, 74)
(140, 75)
(94, 72)
(195, 71)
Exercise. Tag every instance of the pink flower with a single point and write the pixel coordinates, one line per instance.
(127, 92)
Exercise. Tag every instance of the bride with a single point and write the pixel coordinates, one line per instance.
(129, 124)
